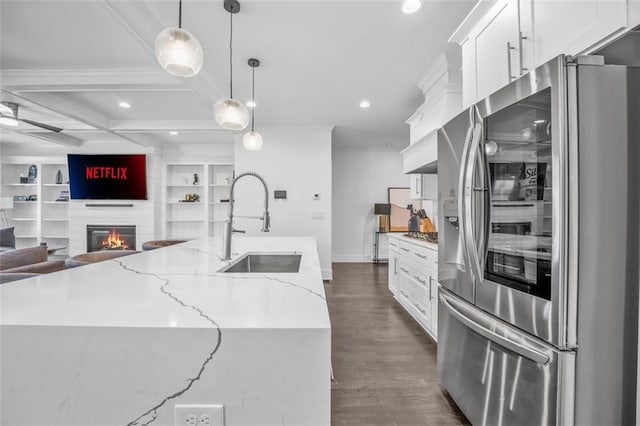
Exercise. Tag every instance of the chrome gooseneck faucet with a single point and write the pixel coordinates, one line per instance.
(228, 225)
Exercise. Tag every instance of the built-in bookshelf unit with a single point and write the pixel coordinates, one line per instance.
(40, 203)
(220, 179)
(195, 199)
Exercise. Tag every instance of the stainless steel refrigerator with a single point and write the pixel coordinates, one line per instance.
(538, 256)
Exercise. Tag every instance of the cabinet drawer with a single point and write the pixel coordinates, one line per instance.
(421, 255)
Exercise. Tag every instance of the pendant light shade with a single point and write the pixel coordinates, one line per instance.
(252, 141)
(231, 114)
(178, 51)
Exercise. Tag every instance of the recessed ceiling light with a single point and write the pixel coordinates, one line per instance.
(540, 121)
(251, 104)
(411, 6)
(173, 133)
(125, 105)
(364, 104)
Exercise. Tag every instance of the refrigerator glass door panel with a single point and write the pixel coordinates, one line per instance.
(497, 374)
(524, 147)
(454, 139)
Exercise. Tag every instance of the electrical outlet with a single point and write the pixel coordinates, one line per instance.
(204, 420)
(199, 415)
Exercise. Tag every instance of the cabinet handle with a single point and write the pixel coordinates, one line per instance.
(430, 285)
(418, 278)
(404, 294)
(406, 271)
(404, 249)
(418, 186)
(393, 245)
(509, 49)
(420, 255)
(395, 266)
(420, 309)
(522, 68)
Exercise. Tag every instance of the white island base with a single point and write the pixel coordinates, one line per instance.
(122, 342)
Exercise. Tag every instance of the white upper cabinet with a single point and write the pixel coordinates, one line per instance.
(572, 27)
(496, 42)
(502, 40)
(469, 91)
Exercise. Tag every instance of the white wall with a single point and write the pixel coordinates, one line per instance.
(361, 179)
(298, 161)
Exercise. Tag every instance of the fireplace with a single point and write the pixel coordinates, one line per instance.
(111, 237)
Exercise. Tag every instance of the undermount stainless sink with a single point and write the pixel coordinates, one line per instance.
(264, 263)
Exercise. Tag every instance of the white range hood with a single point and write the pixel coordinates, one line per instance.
(442, 88)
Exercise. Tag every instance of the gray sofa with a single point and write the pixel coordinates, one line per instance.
(33, 260)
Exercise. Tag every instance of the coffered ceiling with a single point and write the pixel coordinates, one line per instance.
(69, 64)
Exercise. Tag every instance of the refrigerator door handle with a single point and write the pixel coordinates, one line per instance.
(468, 231)
(506, 343)
(461, 206)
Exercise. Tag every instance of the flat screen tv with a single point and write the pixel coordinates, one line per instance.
(108, 177)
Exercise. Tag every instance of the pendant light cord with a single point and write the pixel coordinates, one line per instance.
(230, 54)
(180, 14)
(253, 94)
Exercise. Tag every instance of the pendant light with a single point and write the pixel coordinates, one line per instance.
(252, 140)
(178, 51)
(229, 113)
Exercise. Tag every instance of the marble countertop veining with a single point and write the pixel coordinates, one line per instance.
(416, 241)
(175, 287)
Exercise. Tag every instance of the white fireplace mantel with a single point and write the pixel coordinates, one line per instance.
(108, 212)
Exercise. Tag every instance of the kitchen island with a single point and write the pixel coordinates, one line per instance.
(123, 341)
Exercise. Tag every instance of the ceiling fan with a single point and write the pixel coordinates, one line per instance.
(9, 117)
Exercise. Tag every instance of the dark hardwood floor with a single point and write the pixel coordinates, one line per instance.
(383, 362)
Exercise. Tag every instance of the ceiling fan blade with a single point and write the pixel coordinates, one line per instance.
(41, 125)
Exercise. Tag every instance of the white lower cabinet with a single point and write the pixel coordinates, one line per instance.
(394, 271)
(413, 279)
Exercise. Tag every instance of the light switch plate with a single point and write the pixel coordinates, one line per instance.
(204, 414)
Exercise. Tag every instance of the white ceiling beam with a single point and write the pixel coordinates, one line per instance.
(88, 80)
(67, 108)
(143, 24)
(164, 125)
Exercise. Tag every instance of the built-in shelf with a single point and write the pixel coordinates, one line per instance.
(218, 221)
(185, 221)
(184, 186)
(34, 218)
(56, 237)
(218, 203)
(215, 185)
(184, 202)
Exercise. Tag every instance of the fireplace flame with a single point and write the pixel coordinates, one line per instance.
(114, 242)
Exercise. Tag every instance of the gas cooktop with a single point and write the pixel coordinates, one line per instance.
(430, 237)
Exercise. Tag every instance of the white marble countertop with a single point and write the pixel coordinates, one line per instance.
(416, 241)
(178, 287)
